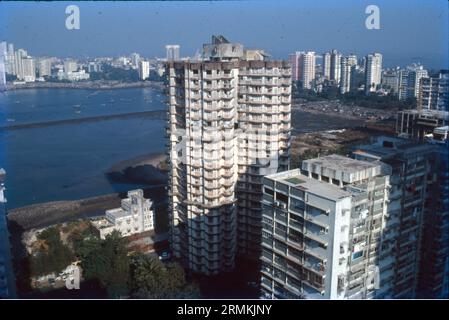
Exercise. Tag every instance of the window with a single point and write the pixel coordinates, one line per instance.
(357, 255)
(268, 191)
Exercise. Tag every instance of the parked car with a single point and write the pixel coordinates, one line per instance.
(165, 255)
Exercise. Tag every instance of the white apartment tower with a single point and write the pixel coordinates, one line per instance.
(307, 69)
(335, 71)
(144, 69)
(44, 67)
(322, 228)
(345, 78)
(327, 65)
(295, 63)
(373, 72)
(19, 55)
(70, 66)
(28, 69)
(229, 125)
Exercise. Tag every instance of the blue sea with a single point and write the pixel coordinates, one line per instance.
(69, 161)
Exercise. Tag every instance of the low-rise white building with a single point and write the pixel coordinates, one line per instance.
(73, 76)
(135, 215)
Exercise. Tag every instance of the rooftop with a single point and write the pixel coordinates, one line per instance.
(294, 178)
(118, 213)
(340, 163)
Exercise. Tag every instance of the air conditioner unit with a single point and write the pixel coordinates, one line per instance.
(283, 205)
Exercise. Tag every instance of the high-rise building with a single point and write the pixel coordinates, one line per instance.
(2, 73)
(7, 281)
(144, 69)
(410, 81)
(345, 78)
(19, 55)
(295, 63)
(44, 67)
(433, 280)
(410, 164)
(322, 229)
(373, 72)
(229, 125)
(390, 81)
(335, 71)
(307, 69)
(28, 69)
(434, 92)
(10, 60)
(70, 66)
(3, 55)
(172, 52)
(352, 60)
(135, 59)
(327, 65)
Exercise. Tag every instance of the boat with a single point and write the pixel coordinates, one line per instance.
(11, 120)
(77, 108)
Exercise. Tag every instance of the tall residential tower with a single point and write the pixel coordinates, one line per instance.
(229, 125)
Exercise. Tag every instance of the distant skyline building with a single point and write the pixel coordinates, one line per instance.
(346, 67)
(172, 52)
(434, 92)
(70, 66)
(3, 57)
(144, 69)
(18, 56)
(373, 72)
(307, 69)
(135, 59)
(390, 81)
(326, 65)
(295, 63)
(44, 67)
(28, 69)
(335, 67)
(410, 81)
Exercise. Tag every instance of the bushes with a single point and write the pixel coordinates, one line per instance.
(52, 256)
(107, 261)
(152, 279)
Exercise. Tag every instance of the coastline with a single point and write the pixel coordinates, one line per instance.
(85, 85)
(154, 159)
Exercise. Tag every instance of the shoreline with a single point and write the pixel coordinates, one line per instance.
(85, 85)
(153, 159)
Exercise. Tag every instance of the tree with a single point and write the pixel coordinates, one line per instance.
(52, 256)
(107, 261)
(152, 279)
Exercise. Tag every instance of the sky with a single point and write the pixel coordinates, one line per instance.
(410, 30)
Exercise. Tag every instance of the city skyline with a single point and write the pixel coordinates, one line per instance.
(304, 26)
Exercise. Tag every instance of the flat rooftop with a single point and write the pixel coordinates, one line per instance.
(384, 147)
(118, 213)
(340, 163)
(294, 178)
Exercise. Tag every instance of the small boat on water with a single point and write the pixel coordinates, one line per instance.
(77, 108)
(11, 120)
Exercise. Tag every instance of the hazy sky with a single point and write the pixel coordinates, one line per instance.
(411, 30)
